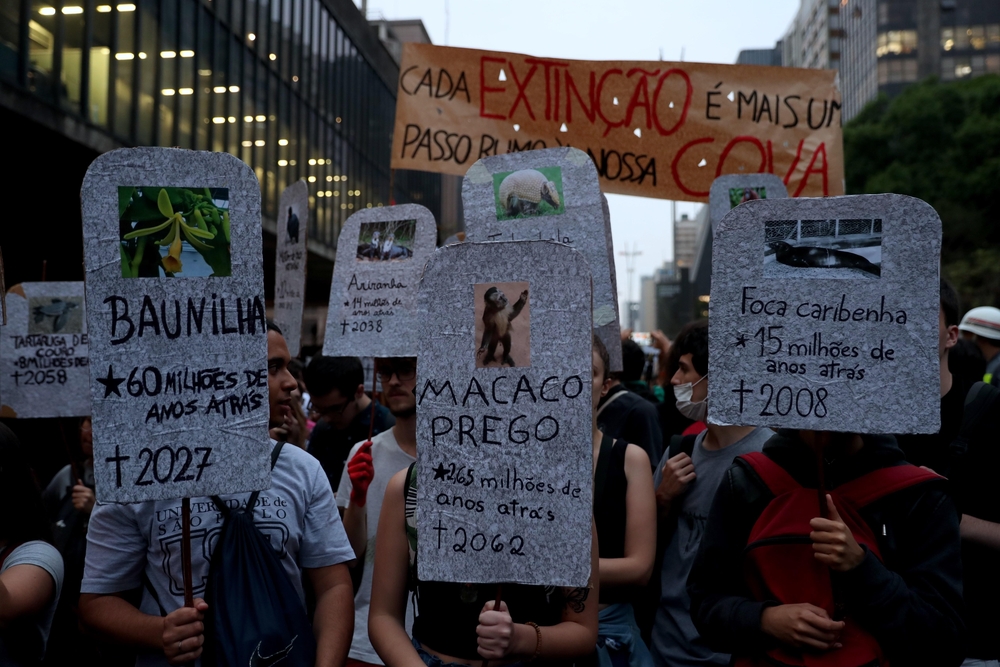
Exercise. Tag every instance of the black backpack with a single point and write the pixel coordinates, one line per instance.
(255, 616)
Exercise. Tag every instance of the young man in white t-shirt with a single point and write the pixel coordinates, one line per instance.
(297, 514)
(370, 466)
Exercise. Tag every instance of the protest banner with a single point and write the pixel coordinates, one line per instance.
(504, 414)
(176, 323)
(728, 192)
(653, 129)
(821, 309)
(548, 195)
(43, 352)
(373, 294)
(290, 263)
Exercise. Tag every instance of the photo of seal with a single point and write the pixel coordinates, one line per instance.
(821, 258)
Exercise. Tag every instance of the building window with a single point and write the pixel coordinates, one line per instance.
(956, 68)
(897, 70)
(896, 42)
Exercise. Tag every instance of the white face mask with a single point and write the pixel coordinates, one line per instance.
(698, 410)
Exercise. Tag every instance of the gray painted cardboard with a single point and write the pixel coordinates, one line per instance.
(581, 222)
(614, 276)
(290, 258)
(850, 350)
(179, 409)
(43, 352)
(466, 491)
(720, 203)
(373, 294)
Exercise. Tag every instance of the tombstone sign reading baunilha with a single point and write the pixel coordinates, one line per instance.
(548, 195)
(504, 414)
(824, 315)
(290, 263)
(373, 295)
(728, 192)
(43, 352)
(176, 324)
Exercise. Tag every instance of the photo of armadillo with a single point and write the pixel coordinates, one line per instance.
(59, 310)
(522, 192)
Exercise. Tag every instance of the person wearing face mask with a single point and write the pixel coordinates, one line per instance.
(685, 483)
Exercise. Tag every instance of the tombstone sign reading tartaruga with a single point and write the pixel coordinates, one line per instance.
(824, 315)
(373, 295)
(290, 263)
(729, 191)
(176, 324)
(43, 352)
(548, 195)
(504, 414)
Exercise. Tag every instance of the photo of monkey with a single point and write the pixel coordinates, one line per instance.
(384, 241)
(503, 325)
(529, 192)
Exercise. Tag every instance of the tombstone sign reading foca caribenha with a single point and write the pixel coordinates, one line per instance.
(504, 414)
(290, 263)
(176, 325)
(373, 294)
(548, 195)
(43, 352)
(824, 315)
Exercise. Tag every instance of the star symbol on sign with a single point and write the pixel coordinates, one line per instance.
(111, 383)
(440, 471)
(741, 340)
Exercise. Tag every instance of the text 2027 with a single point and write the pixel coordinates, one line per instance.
(161, 464)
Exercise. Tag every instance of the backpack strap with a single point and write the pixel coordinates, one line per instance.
(681, 444)
(252, 500)
(883, 482)
(777, 480)
(601, 473)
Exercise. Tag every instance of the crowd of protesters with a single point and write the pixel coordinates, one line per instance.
(705, 549)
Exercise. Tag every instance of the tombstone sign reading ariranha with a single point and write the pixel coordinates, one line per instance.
(548, 195)
(373, 295)
(43, 352)
(825, 315)
(504, 414)
(176, 324)
(290, 263)
(729, 191)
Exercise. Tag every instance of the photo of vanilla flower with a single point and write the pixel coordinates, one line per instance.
(174, 232)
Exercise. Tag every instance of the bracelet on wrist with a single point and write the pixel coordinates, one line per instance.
(538, 640)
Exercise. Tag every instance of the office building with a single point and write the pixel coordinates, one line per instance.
(686, 232)
(761, 56)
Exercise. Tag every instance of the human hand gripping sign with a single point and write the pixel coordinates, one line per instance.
(833, 543)
(361, 472)
(184, 633)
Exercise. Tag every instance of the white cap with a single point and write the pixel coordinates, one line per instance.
(983, 321)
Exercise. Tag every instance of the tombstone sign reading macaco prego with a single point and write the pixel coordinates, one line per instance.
(43, 352)
(824, 315)
(373, 295)
(176, 324)
(548, 195)
(504, 414)
(290, 263)
(729, 191)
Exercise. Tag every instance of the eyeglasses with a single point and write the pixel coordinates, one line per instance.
(404, 373)
(332, 411)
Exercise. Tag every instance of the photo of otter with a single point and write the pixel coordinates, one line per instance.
(503, 325)
(174, 232)
(52, 314)
(739, 195)
(842, 249)
(529, 192)
(385, 241)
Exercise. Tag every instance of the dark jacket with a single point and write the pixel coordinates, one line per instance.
(624, 415)
(331, 446)
(911, 603)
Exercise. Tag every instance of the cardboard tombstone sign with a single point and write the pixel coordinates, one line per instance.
(373, 295)
(608, 238)
(290, 263)
(729, 191)
(176, 324)
(43, 352)
(504, 414)
(824, 315)
(548, 195)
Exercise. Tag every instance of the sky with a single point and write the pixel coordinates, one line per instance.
(711, 31)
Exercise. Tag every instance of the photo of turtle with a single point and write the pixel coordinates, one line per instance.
(174, 232)
(386, 241)
(52, 315)
(529, 192)
(842, 249)
(739, 195)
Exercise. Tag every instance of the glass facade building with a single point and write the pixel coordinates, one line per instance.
(295, 88)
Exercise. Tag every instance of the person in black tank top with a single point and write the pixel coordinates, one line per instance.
(625, 516)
